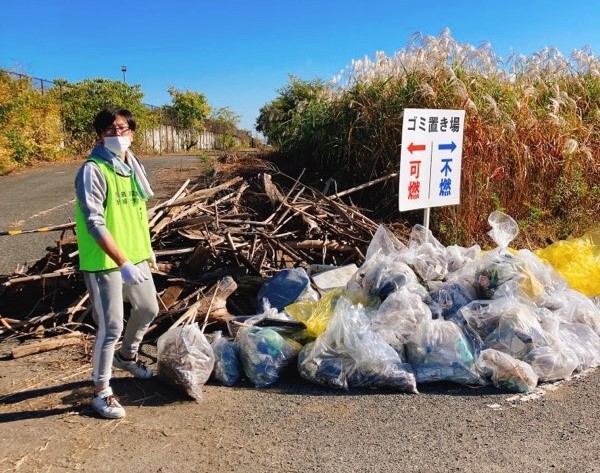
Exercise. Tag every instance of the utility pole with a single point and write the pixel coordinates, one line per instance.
(124, 70)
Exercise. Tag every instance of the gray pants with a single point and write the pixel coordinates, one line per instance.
(108, 293)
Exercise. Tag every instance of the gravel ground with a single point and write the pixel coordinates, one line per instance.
(48, 426)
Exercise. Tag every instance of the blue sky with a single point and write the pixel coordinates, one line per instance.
(240, 53)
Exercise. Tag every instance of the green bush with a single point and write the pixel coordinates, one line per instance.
(30, 124)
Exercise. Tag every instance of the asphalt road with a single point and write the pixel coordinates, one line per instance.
(296, 427)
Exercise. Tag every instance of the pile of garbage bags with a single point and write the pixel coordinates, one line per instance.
(418, 313)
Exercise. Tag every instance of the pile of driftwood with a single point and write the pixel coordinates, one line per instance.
(216, 243)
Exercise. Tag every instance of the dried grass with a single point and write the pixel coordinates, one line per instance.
(531, 140)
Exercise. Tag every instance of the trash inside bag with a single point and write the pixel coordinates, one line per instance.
(398, 317)
(270, 317)
(185, 359)
(583, 342)
(439, 351)
(499, 265)
(506, 372)
(573, 306)
(325, 368)
(265, 354)
(552, 363)
(349, 354)
(450, 297)
(227, 368)
(316, 315)
(518, 331)
(426, 255)
(494, 270)
(386, 276)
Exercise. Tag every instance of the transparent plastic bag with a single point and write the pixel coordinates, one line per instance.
(349, 354)
(497, 266)
(265, 354)
(573, 306)
(398, 317)
(426, 255)
(386, 276)
(583, 342)
(227, 367)
(383, 243)
(459, 258)
(506, 372)
(439, 351)
(552, 362)
(185, 359)
(483, 315)
(518, 331)
(450, 297)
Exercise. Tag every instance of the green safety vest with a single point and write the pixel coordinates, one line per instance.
(126, 219)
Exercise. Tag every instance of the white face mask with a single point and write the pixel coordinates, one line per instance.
(117, 144)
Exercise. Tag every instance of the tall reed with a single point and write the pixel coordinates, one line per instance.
(531, 139)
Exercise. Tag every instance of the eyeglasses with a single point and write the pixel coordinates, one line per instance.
(113, 130)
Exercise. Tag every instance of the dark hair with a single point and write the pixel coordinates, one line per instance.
(107, 117)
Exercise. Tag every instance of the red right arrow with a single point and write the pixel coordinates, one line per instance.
(413, 147)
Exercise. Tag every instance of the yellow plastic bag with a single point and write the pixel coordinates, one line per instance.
(315, 315)
(577, 260)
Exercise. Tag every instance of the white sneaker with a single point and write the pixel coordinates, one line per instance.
(107, 404)
(136, 367)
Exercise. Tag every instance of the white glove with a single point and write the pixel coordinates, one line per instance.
(152, 262)
(131, 274)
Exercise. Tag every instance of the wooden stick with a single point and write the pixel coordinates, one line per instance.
(37, 277)
(204, 193)
(40, 346)
(337, 195)
(175, 196)
(316, 244)
(53, 228)
(71, 310)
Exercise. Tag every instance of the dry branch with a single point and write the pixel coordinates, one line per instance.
(207, 241)
(39, 346)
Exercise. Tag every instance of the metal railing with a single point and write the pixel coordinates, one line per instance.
(41, 84)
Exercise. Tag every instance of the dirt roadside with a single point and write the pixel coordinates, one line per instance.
(48, 426)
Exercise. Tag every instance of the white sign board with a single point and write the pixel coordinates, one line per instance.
(431, 158)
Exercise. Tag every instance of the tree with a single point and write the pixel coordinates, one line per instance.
(188, 111)
(226, 123)
(277, 120)
(83, 100)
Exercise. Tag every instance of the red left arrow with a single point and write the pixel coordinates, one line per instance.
(413, 147)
